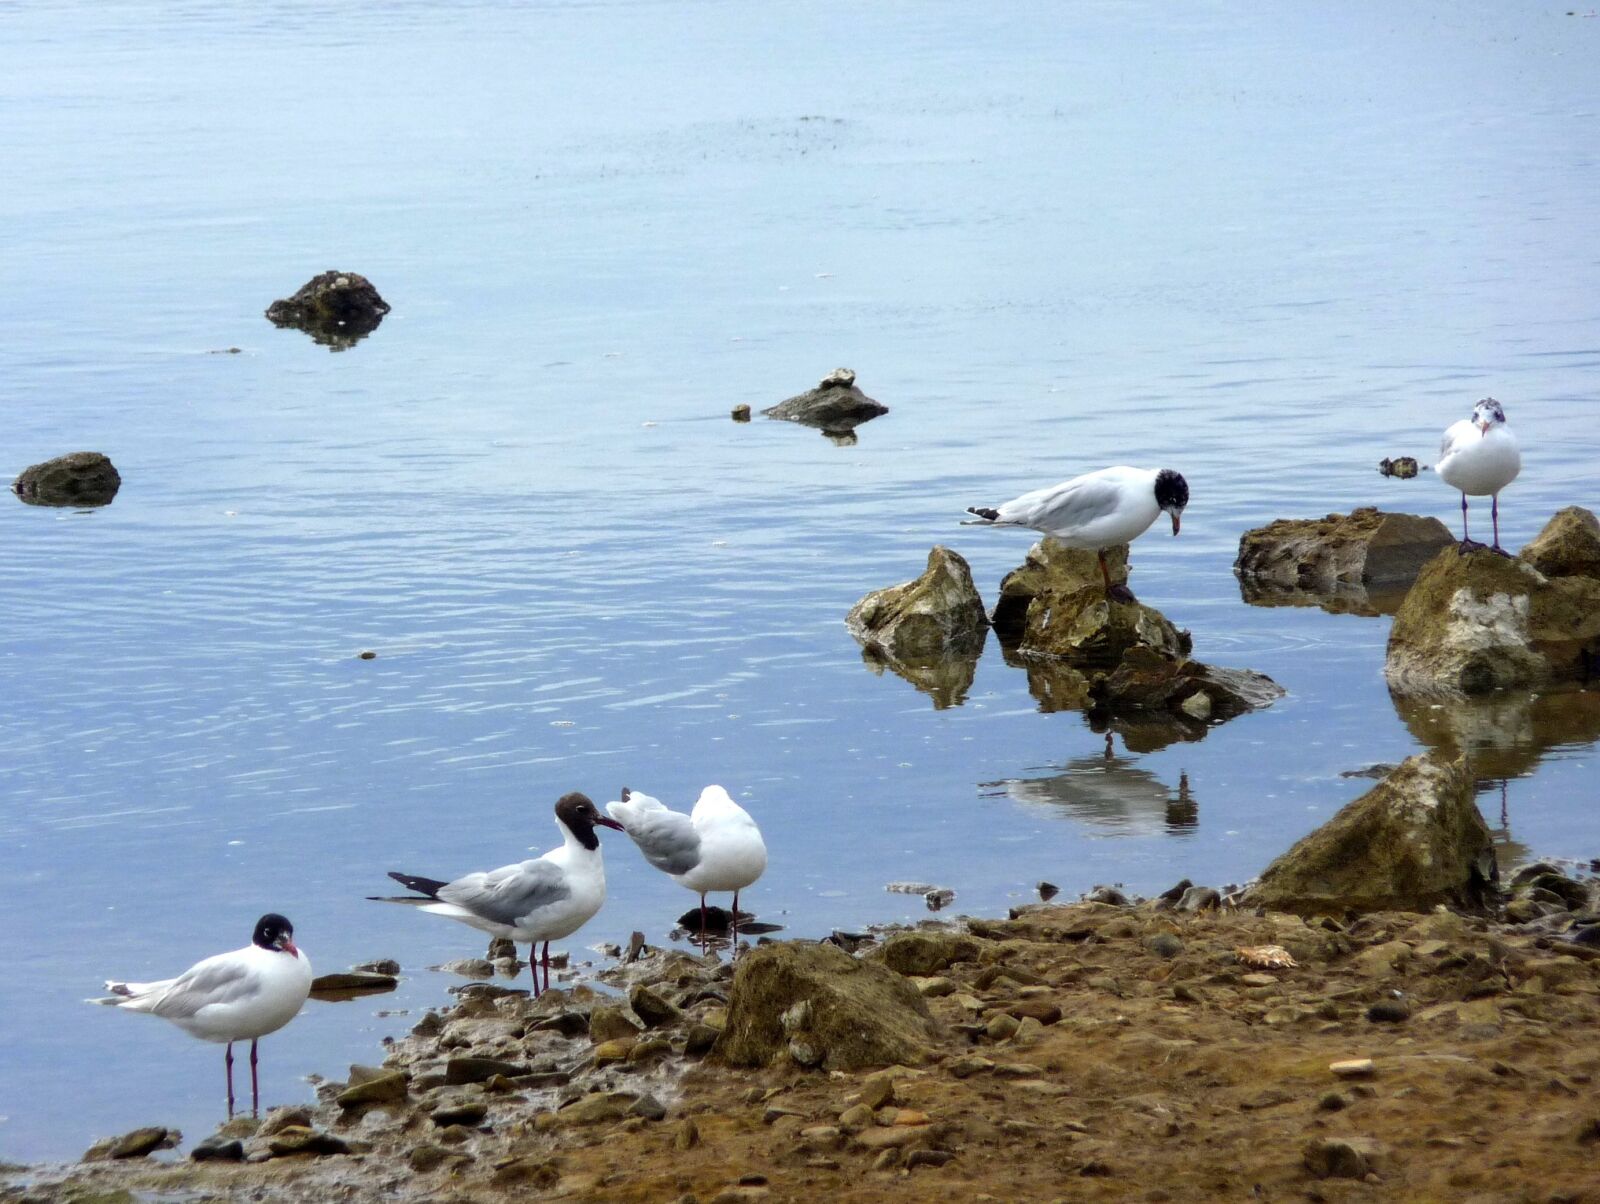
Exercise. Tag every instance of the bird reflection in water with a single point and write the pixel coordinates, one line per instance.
(1111, 790)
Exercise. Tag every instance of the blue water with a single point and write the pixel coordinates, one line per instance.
(1265, 247)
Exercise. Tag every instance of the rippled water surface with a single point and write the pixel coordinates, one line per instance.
(1265, 247)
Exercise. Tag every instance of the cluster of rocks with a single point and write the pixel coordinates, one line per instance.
(1121, 662)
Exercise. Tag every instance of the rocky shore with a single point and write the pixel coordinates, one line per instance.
(1178, 1048)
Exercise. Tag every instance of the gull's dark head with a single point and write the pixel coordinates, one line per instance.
(1172, 494)
(274, 932)
(580, 816)
(1488, 413)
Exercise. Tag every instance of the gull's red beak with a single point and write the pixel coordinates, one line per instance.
(289, 948)
(1483, 428)
(609, 823)
(1174, 522)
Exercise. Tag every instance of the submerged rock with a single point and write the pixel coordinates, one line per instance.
(76, 479)
(1148, 680)
(1569, 545)
(1366, 547)
(1054, 604)
(1476, 622)
(1404, 467)
(859, 1014)
(337, 309)
(1414, 840)
(835, 406)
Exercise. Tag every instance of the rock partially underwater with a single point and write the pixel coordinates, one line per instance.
(929, 631)
(76, 479)
(1358, 563)
(835, 406)
(1413, 841)
(1478, 621)
(337, 309)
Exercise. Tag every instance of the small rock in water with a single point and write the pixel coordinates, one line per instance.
(382, 965)
(910, 888)
(337, 309)
(469, 967)
(1047, 891)
(741, 413)
(1106, 894)
(938, 899)
(1379, 770)
(1404, 467)
(76, 479)
(367, 654)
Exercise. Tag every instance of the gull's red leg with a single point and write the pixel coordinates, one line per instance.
(228, 1062)
(255, 1085)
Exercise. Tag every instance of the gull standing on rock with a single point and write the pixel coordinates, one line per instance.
(716, 847)
(1098, 510)
(543, 899)
(1479, 456)
(249, 992)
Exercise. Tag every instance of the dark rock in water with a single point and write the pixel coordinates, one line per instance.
(1377, 771)
(939, 899)
(1366, 547)
(1148, 680)
(741, 413)
(337, 309)
(76, 479)
(924, 623)
(1476, 622)
(1414, 840)
(1054, 605)
(352, 985)
(835, 405)
(381, 965)
(1404, 467)
(217, 1148)
(136, 1144)
(1047, 891)
(860, 1013)
(1569, 545)
(719, 920)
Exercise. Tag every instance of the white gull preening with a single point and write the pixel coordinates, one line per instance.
(244, 994)
(1098, 510)
(716, 847)
(1479, 456)
(542, 899)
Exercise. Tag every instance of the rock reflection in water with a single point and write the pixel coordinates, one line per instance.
(1507, 733)
(946, 680)
(1343, 598)
(1109, 789)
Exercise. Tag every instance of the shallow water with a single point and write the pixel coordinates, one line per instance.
(1267, 249)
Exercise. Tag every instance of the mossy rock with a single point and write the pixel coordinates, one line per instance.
(1478, 621)
(337, 309)
(1569, 545)
(1415, 840)
(925, 953)
(859, 1013)
(929, 631)
(1054, 605)
(1366, 547)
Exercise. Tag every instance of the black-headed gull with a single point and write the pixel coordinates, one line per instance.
(543, 899)
(1479, 456)
(1098, 510)
(249, 992)
(716, 847)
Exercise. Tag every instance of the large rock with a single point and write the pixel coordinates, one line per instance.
(1366, 547)
(1413, 841)
(936, 616)
(815, 1004)
(337, 309)
(76, 479)
(1054, 604)
(1569, 545)
(835, 405)
(1477, 621)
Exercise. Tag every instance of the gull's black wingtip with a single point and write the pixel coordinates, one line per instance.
(423, 886)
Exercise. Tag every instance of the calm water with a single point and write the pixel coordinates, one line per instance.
(1267, 248)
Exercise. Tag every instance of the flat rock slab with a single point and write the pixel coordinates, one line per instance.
(1367, 547)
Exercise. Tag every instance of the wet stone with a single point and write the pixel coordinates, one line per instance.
(1389, 1011)
(218, 1149)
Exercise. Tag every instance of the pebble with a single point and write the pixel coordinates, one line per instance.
(877, 1092)
(686, 1136)
(1389, 1011)
(855, 1118)
(1002, 1026)
(1353, 1068)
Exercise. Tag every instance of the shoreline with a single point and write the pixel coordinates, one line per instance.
(1085, 1050)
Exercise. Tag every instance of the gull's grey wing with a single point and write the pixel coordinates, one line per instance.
(510, 893)
(216, 980)
(667, 839)
(1456, 436)
(1072, 504)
